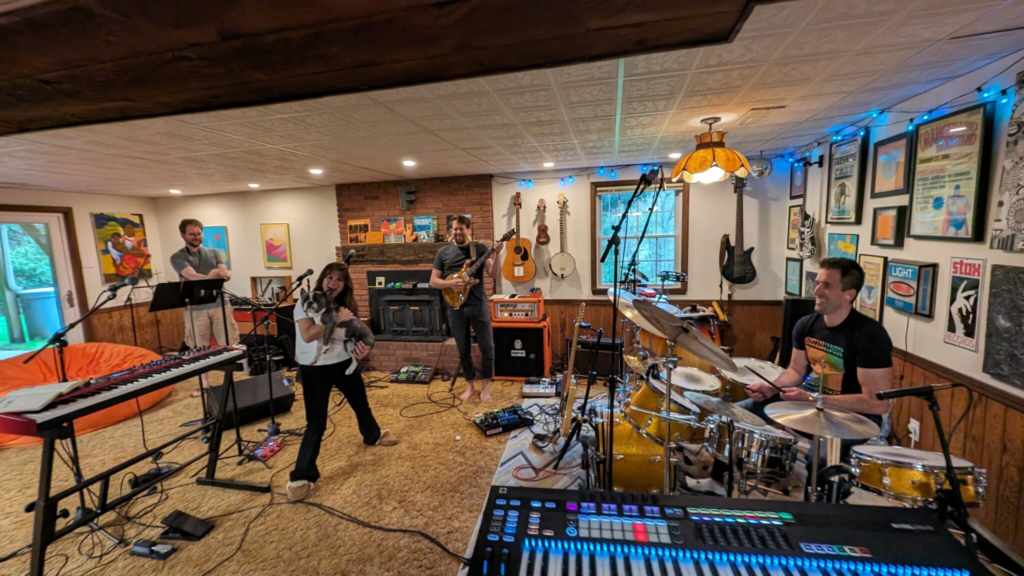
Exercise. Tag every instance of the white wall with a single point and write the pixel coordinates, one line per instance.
(84, 204)
(925, 336)
(712, 213)
(312, 215)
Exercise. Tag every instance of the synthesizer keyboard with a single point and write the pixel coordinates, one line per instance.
(541, 532)
(108, 390)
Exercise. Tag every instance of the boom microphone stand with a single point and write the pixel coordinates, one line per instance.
(577, 424)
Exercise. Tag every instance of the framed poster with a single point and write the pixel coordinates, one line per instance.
(277, 245)
(357, 230)
(1008, 218)
(393, 229)
(425, 227)
(871, 299)
(794, 227)
(797, 180)
(951, 176)
(889, 226)
(843, 246)
(794, 276)
(891, 163)
(1003, 329)
(810, 282)
(846, 162)
(122, 245)
(965, 276)
(216, 238)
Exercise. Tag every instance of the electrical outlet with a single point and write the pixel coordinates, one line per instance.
(914, 427)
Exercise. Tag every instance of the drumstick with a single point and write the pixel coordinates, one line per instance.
(769, 382)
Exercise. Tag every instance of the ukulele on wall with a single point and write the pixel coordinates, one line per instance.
(562, 264)
(519, 265)
(542, 229)
(738, 268)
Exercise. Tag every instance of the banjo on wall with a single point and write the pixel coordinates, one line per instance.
(562, 264)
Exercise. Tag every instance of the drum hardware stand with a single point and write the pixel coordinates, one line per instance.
(577, 422)
(666, 407)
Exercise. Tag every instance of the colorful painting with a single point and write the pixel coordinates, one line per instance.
(122, 245)
(846, 180)
(889, 226)
(1008, 218)
(393, 229)
(797, 180)
(794, 276)
(843, 246)
(810, 282)
(794, 227)
(216, 238)
(891, 165)
(357, 230)
(277, 245)
(965, 276)
(951, 176)
(872, 296)
(425, 227)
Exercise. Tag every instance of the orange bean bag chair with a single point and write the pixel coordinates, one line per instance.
(81, 361)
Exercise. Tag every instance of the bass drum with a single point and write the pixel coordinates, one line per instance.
(638, 462)
(913, 476)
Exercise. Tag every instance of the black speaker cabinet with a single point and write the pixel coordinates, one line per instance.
(252, 399)
(793, 309)
(522, 350)
(585, 356)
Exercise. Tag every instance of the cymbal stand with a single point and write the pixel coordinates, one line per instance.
(669, 362)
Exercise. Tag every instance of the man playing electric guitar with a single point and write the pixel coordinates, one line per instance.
(474, 312)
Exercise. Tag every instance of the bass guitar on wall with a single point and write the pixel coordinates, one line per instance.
(738, 267)
(456, 298)
(519, 265)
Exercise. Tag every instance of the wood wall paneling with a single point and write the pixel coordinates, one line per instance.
(114, 325)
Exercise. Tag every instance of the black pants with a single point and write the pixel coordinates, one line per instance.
(479, 318)
(317, 382)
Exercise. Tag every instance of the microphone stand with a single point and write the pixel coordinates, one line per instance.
(631, 267)
(577, 424)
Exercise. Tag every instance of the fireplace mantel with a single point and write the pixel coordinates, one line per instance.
(403, 253)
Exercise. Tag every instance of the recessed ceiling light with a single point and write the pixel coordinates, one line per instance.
(675, 155)
(175, 191)
(549, 164)
(254, 185)
(408, 162)
(315, 171)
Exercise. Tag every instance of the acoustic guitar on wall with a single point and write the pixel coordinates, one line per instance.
(519, 265)
(456, 298)
(542, 229)
(562, 264)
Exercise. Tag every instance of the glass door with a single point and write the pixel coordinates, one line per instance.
(37, 295)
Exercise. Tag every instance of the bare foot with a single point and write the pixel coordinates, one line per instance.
(485, 392)
(465, 396)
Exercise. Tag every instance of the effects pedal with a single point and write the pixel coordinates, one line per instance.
(504, 420)
(545, 388)
(416, 374)
(264, 450)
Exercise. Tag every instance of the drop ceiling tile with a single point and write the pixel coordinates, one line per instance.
(539, 98)
(370, 114)
(770, 95)
(654, 86)
(458, 87)
(872, 61)
(927, 5)
(723, 80)
(399, 95)
(474, 104)
(800, 71)
(903, 78)
(647, 120)
(704, 100)
(779, 16)
(290, 108)
(601, 135)
(600, 124)
(589, 93)
(546, 128)
(544, 115)
(233, 115)
(592, 111)
(631, 107)
(496, 119)
(597, 146)
(14, 144)
(853, 10)
(420, 109)
(580, 73)
(501, 131)
(305, 137)
(345, 101)
(463, 138)
(399, 127)
(834, 86)
(831, 39)
(636, 144)
(745, 49)
(640, 131)
(918, 27)
(661, 63)
(519, 80)
(242, 129)
(421, 142)
(1008, 15)
(441, 123)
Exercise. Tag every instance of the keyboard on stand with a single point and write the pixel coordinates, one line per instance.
(541, 532)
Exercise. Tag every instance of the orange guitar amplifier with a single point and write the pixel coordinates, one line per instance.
(517, 308)
(522, 350)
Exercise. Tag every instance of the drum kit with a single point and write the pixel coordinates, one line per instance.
(674, 422)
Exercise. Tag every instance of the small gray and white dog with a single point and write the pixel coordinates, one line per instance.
(316, 302)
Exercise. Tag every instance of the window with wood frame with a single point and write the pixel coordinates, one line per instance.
(665, 245)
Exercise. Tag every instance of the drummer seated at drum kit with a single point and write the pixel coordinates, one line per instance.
(836, 348)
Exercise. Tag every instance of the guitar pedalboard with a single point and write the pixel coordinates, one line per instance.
(504, 420)
(413, 375)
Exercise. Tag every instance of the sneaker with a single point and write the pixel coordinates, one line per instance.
(386, 439)
(299, 490)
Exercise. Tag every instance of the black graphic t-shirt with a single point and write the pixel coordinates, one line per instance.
(837, 352)
(449, 260)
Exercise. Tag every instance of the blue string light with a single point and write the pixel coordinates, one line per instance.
(561, 181)
(600, 171)
(861, 133)
(522, 183)
(1005, 98)
(572, 179)
(614, 174)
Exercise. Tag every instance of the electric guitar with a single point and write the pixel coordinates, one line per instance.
(519, 265)
(562, 264)
(738, 267)
(568, 383)
(456, 298)
(542, 229)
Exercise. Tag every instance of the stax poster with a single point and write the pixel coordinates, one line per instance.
(964, 302)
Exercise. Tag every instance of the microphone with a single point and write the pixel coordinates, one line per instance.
(916, 391)
(126, 281)
(349, 256)
(304, 275)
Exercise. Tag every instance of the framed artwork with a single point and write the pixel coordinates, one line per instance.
(425, 227)
(277, 245)
(1003, 329)
(889, 226)
(797, 180)
(393, 229)
(1008, 218)
(846, 163)
(216, 238)
(965, 276)
(357, 230)
(810, 282)
(891, 164)
(843, 246)
(122, 245)
(910, 286)
(949, 193)
(871, 299)
(794, 276)
(794, 227)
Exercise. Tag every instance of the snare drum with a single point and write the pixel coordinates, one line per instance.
(913, 476)
(693, 380)
(760, 449)
(638, 463)
(650, 397)
(739, 380)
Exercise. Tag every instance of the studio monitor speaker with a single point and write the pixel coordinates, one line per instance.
(252, 399)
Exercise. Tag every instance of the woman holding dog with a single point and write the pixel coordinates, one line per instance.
(323, 368)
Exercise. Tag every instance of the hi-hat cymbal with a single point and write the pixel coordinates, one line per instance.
(627, 306)
(637, 363)
(684, 335)
(829, 422)
(722, 408)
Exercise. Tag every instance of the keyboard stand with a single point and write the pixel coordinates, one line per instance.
(210, 478)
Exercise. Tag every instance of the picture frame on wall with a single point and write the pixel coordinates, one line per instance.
(216, 238)
(797, 181)
(843, 246)
(277, 245)
(793, 230)
(963, 311)
(949, 194)
(794, 276)
(846, 164)
(810, 282)
(892, 163)
(889, 226)
(871, 298)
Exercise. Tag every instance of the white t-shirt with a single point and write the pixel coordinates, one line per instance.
(306, 352)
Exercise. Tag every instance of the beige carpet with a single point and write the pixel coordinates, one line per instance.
(430, 481)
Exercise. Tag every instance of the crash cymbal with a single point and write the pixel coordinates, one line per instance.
(637, 363)
(722, 408)
(684, 335)
(829, 422)
(626, 306)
